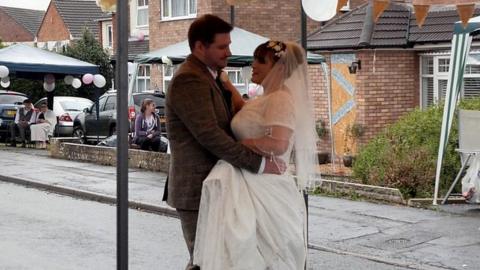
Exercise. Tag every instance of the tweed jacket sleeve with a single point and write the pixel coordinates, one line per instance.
(192, 96)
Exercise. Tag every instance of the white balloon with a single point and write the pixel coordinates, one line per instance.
(6, 79)
(4, 71)
(320, 10)
(5, 84)
(68, 79)
(99, 80)
(76, 83)
(49, 87)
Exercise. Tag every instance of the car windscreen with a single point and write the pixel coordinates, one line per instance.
(75, 105)
(11, 99)
(159, 100)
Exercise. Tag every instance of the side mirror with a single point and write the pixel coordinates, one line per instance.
(86, 110)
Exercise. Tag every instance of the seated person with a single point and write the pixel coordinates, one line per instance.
(147, 127)
(43, 127)
(23, 119)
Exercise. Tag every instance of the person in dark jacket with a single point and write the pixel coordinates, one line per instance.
(147, 127)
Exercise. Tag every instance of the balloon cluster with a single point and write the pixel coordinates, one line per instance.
(98, 80)
(4, 79)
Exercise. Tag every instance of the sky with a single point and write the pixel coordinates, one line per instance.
(28, 4)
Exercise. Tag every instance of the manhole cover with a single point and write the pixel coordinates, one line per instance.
(397, 243)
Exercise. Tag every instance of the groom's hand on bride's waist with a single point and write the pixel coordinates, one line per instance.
(274, 165)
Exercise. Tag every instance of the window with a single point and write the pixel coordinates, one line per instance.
(143, 78)
(142, 12)
(434, 78)
(179, 9)
(110, 104)
(168, 72)
(235, 76)
(109, 36)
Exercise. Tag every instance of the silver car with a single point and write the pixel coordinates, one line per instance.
(66, 109)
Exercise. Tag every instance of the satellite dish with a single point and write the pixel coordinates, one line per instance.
(320, 10)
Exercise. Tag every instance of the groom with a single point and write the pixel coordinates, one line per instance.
(199, 111)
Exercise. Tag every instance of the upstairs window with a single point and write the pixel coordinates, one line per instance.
(179, 9)
(142, 12)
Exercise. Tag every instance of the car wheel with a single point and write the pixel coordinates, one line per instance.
(80, 134)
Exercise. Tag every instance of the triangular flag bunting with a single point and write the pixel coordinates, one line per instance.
(465, 12)
(341, 3)
(421, 12)
(379, 7)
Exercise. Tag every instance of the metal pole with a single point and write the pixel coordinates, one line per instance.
(122, 135)
(97, 113)
(304, 28)
(303, 17)
(232, 15)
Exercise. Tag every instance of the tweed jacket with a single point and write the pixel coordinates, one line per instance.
(198, 125)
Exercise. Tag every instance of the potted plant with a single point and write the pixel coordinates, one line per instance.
(352, 133)
(322, 131)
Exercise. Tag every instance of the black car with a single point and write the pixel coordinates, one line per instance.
(9, 102)
(87, 128)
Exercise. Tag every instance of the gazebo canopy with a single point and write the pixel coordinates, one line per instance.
(461, 43)
(26, 61)
(242, 48)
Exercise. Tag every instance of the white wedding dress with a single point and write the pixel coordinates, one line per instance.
(252, 221)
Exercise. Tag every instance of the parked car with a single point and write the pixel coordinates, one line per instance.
(66, 109)
(88, 129)
(9, 102)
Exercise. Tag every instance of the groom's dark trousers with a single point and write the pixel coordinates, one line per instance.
(198, 125)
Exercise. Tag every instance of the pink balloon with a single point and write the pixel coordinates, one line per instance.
(141, 36)
(49, 78)
(87, 78)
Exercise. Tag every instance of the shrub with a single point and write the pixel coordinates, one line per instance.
(404, 155)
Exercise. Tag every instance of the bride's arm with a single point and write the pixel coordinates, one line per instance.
(274, 143)
(237, 99)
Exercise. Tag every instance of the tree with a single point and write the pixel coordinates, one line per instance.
(88, 49)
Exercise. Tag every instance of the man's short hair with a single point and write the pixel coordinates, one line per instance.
(27, 101)
(205, 28)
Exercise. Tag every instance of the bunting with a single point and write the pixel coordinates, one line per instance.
(465, 8)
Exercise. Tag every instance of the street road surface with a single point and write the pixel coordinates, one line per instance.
(41, 230)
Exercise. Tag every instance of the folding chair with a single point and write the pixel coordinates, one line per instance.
(468, 142)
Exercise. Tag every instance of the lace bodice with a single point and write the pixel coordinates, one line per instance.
(257, 115)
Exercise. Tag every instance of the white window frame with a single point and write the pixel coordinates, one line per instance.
(438, 76)
(166, 78)
(109, 28)
(238, 76)
(143, 77)
(142, 8)
(169, 17)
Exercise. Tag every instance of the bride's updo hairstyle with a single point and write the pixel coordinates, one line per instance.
(275, 50)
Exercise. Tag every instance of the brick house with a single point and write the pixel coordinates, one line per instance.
(402, 67)
(276, 19)
(65, 20)
(138, 42)
(19, 25)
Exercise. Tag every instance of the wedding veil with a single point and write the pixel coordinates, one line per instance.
(291, 70)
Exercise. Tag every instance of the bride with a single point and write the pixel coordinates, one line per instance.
(258, 221)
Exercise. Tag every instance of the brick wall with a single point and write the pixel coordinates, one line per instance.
(53, 27)
(11, 31)
(387, 88)
(319, 96)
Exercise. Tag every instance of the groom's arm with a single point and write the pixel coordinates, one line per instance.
(198, 115)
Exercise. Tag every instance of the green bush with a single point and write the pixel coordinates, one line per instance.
(404, 155)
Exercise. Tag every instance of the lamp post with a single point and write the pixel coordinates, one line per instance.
(122, 135)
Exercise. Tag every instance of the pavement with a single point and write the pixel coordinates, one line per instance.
(400, 236)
